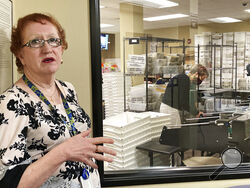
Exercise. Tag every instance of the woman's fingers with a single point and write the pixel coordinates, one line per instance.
(83, 148)
(90, 163)
(97, 140)
(101, 157)
(86, 133)
(102, 140)
(103, 149)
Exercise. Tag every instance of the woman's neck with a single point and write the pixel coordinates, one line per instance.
(47, 86)
(44, 82)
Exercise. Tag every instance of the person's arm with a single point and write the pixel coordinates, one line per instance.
(200, 114)
(14, 122)
(38, 172)
(77, 148)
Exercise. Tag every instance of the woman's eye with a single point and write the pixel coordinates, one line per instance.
(52, 39)
(35, 41)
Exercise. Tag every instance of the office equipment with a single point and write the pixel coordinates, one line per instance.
(212, 137)
(204, 137)
(200, 136)
(241, 133)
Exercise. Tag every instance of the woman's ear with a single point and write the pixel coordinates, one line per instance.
(20, 56)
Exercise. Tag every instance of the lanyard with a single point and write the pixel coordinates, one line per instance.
(71, 128)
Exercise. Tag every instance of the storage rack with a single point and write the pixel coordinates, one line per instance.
(233, 68)
(212, 53)
(147, 40)
(242, 39)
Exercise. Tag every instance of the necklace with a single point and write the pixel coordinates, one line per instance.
(51, 98)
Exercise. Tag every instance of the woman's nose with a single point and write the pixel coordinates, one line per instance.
(46, 48)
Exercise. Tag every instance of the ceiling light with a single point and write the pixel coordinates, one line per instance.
(163, 3)
(152, 3)
(165, 17)
(106, 25)
(224, 20)
(247, 10)
(101, 6)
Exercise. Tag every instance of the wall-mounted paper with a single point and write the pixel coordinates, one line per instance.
(5, 54)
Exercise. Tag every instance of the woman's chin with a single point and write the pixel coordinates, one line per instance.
(52, 69)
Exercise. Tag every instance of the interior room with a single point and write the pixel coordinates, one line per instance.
(145, 45)
(167, 80)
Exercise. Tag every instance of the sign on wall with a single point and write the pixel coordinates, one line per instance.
(6, 73)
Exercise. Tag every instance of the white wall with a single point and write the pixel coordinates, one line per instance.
(74, 18)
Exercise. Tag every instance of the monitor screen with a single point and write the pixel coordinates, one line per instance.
(104, 41)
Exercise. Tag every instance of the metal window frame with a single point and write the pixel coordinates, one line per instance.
(140, 176)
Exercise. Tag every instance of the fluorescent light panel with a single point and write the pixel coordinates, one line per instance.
(163, 3)
(153, 3)
(165, 17)
(106, 25)
(224, 20)
(247, 10)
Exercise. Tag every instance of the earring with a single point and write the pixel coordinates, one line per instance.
(61, 61)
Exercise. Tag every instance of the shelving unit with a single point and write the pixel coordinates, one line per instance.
(222, 70)
(220, 63)
(150, 57)
(242, 40)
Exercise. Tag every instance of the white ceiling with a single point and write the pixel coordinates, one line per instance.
(206, 9)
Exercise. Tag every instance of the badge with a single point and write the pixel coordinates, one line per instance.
(85, 180)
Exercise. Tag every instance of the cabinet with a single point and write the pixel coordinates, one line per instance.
(144, 58)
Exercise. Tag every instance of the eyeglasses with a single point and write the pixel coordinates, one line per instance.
(37, 43)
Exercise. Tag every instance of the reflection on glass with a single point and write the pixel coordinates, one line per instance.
(159, 109)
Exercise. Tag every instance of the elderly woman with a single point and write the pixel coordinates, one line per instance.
(44, 133)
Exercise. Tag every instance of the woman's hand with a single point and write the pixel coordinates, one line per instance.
(81, 148)
(200, 114)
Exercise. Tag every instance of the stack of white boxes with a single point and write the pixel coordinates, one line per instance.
(130, 129)
(113, 92)
(158, 121)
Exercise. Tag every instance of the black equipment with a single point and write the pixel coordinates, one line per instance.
(248, 69)
(211, 138)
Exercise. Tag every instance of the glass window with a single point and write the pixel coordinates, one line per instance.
(175, 83)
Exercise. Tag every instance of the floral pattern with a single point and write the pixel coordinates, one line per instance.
(28, 128)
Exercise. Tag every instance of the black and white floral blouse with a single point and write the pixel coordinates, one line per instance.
(29, 129)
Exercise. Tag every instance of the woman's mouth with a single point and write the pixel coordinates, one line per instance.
(48, 60)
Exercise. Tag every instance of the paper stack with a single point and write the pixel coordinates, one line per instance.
(113, 92)
(128, 129)
(157, 122)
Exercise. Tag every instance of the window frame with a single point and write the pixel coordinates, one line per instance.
(139, 176)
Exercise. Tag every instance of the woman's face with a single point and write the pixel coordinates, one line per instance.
(197, 79)
(43, 60)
